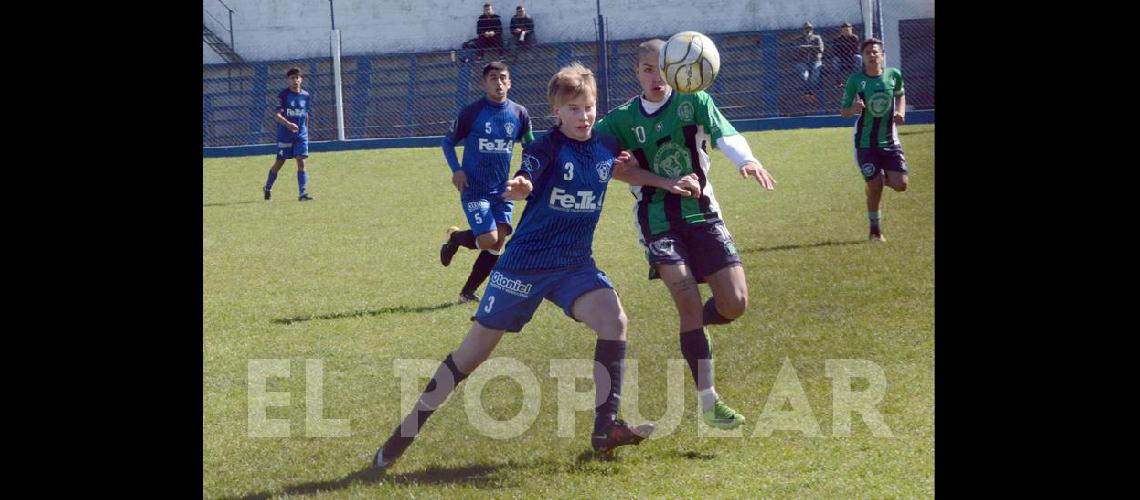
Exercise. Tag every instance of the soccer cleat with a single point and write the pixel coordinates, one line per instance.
(393, 448)
(304, 197)
(620, 434)
(723, 417)
(267, 193)
(447, 251)
(876, 238)
(468, 297)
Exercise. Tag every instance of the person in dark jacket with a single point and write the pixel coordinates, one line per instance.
(489, 32)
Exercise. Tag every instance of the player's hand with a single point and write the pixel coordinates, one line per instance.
(517, 189)
(762, 176)
(858, 106)
(899, 118)
(625, 160)
(292, 127)
(689, 185)
(459, 179)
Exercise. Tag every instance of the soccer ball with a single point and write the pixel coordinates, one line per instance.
(689, 62)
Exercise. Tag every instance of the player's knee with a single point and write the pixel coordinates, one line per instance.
(468, 361)
(488, 240)
(899, 185)
(733, 306)
(613, 328)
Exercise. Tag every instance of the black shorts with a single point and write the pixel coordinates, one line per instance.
(872, 161)
(705, 248)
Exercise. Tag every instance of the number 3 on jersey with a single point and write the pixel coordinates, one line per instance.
(490, 304)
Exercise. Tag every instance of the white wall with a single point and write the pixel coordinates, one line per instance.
(284, 29)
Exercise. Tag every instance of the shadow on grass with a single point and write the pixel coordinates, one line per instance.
(592, 456)
(204, 205)
(472, 475)
(357, 314)
(696, 455)
(916, 132)
(807, 245)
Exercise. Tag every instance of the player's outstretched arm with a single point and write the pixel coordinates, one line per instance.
(736, 148)
(518, 188)
(626, 169)
(753, 169)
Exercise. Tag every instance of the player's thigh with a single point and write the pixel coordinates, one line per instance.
(678, 278)
(588, 295)
(479, 216)
(503, 212)
(893, 161)
(301, 150)
(477, 345)
(868, 164)
(601, 310)
(711, 248)
(730, 289)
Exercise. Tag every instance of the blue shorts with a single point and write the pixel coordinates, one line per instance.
(297, 148)
(510, 299)
(872, 161)
(484, 213)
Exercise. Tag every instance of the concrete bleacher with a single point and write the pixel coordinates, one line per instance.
(419, 94)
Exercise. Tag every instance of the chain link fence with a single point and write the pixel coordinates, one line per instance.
(414, 94)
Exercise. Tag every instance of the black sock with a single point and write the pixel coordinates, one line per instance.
(696, 346)
(480, 270)
(464, 238)
(712, 316)
(610, 355)
(447, 378)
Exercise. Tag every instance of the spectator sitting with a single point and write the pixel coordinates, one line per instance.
(522, 32)
(810, 61)
(489, 32)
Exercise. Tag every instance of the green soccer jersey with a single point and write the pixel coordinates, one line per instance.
(875, 128)
(671, 142)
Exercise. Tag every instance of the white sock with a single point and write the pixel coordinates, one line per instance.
(708, 398)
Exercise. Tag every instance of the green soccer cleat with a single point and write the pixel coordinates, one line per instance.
(723, 417)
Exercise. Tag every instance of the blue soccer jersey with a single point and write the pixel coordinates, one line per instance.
(488, 131)
(569, 179)
(295, 108)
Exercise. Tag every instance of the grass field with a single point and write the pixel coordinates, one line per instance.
(352, 280)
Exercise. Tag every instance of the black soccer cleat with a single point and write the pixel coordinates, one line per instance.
(392, 450)
(305, 197)
(447, 251)
(267, 193)
(620, 434)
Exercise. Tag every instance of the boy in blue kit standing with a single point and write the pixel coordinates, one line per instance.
(564, 175)
(292, 116)
(488, 129)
